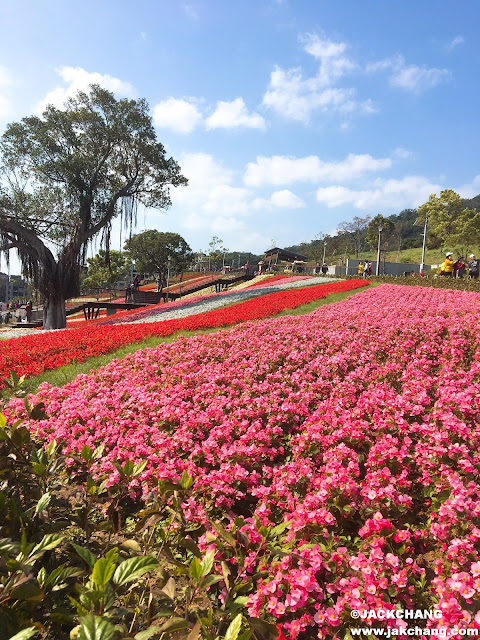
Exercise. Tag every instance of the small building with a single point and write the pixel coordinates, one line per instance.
(276, 255)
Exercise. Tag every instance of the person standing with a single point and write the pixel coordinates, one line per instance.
(29, 311)
(460, 267)
(365, 270)
(324, 268)
(448, 265)
(473, 267)
(360, 269)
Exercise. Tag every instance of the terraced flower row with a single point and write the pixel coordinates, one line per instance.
(357, 426)
(31, 355)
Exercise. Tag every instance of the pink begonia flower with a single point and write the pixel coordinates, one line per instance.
(301, 420)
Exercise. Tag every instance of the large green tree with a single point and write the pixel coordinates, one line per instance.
(66, 175)
(104, 271)
(452, 222)
(153, 251)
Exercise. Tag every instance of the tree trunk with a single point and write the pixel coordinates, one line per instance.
(54, 316)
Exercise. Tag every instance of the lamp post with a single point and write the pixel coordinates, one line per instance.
(168, 276)
(324, 252)
(422, 266)
(380, 229)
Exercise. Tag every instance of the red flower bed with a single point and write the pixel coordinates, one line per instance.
(31, 355)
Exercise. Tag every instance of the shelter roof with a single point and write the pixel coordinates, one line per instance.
(284, 254)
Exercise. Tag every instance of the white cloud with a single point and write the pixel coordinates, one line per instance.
(470, 190)
(413, 78)
(180, 115)
(279, 170)
(458, 40)
(295, 96)
(410, 191)
(77, 79)
(333, 63)
(286, 200)
(401, 153)
(278, 200)
(229, 115)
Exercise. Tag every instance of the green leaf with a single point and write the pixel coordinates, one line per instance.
(186, 480)
(103, 570)
(58, 576)
(133, 568)
(43, 503)
(39, 468)
(29, 591)
(50, 541)
(131, 545)
(234, 628)
(86, 453)
(207, 563)
(3, 424)
(139, 467)
(174, 624)
(25, 634)
(209, 580)
(85, 554)
(148, 633)
(280, 528)
(128, 468)
(224, 534)
(195, 569)
(95, 628)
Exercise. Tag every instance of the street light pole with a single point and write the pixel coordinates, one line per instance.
(380, 229)
(324, 251)
(422, 266)
(168, 276)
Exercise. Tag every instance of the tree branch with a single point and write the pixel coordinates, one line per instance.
(24, 239)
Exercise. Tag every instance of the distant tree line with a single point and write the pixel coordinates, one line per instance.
(452, 221)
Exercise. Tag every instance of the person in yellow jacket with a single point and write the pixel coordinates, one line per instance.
(447, 266)
(360, 269)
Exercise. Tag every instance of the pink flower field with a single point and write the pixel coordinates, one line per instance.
(358, 426)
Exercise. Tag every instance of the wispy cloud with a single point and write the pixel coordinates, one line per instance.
(296, 96)
(280, 170)
(456, 42)
(397, 194)
(414, 78)
(190, 12)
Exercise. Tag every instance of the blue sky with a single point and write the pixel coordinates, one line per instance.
(287, 116)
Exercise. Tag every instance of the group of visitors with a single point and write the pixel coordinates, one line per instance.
(18, 311)
(458, 268)
(323, 268)
(365, 269)
(131, 288)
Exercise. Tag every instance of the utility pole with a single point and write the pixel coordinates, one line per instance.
(422, 266)
(324, 251)
(168, 276)
(380, 229)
